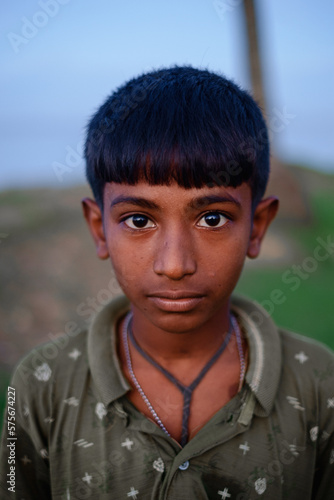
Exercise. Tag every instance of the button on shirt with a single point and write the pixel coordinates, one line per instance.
(79, 437)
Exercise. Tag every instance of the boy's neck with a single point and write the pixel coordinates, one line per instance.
(170, 346)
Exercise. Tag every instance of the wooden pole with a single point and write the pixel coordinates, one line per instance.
(253, 53)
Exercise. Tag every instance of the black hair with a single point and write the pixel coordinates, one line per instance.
(178, 124)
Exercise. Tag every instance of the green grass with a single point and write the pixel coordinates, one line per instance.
(307, 301)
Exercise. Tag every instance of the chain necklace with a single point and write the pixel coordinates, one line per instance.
(183, 389)
(133, 376)
(240, 350)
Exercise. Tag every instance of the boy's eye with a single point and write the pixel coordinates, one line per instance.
(138, 222)
(212, 219)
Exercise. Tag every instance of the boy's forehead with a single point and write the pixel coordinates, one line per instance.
(164, 195)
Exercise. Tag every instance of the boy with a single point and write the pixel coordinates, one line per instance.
(178, 391)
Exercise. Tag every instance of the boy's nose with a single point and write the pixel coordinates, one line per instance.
(175, 257)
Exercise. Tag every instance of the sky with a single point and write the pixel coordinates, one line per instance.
(61, 58)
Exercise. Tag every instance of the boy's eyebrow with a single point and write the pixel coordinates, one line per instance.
(194, 203)
(211, 199)
(134, 200)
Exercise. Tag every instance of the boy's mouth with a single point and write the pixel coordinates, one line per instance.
(176, 301)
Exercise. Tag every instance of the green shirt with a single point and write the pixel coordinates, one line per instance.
(79, 437)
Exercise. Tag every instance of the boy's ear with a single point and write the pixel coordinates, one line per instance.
(94, 219)
(264, 213)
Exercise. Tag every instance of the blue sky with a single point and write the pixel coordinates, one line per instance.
(61, 58)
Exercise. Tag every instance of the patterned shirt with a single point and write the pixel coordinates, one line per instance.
(79, 437)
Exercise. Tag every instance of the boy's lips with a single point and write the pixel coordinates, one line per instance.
(176, 301)
(176, 294)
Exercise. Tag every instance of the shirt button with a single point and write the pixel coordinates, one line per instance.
(184, 466)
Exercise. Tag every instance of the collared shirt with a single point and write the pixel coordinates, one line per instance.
(79, 437)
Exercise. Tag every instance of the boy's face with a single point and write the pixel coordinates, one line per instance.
(178, 253)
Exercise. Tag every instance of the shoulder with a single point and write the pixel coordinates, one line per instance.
(305, 350)
(307, 378)
(45, 372)
(306, 359)
(63, 353)
(296, 349)
(63, 369)
(292, 370)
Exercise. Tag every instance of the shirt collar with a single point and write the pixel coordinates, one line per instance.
(264, 366)
(102, 351)
(265, 357)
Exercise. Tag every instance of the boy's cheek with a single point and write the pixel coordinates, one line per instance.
(126, 276)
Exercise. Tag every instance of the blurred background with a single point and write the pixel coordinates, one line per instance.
(62, 58)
